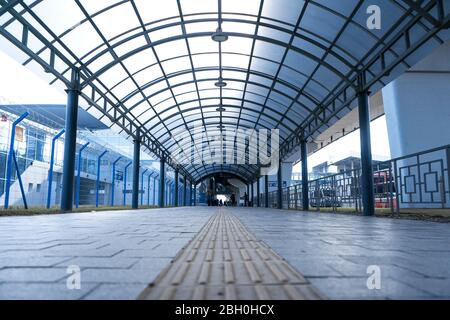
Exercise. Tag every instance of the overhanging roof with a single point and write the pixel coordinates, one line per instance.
(289, 65)
(54, 115)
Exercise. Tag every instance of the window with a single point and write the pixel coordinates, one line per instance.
(30, 187)
(38, 187)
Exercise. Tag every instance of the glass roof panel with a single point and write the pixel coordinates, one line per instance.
(148, 74)
(82, 38)
(148, 12)
(49, 11)
(283, 10)
(124, 18)
(140, 60)
(164, 33)
(177, 64)
(198, 6)
(180, 66)
(244, 7)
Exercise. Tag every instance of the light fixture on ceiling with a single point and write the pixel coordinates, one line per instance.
(220, 127)
(219, 36)
(220, 83)
(220, 109)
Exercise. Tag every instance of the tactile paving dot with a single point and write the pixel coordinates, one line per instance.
(226, 262)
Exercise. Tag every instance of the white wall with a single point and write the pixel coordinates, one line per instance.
(417, 107)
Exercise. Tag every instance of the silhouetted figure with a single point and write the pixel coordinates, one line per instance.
(233, 200)
(245, 199)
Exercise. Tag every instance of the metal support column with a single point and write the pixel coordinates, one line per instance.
(190, 193)
(305, 184)
(258, 193)
(125, 176)
(50, 170)
(248, 196)
(11, 157)
(70, 142)
(367, 191)
(266, 191)
(148, 188)
(136, 166)
(142, 186)
(252, 193)
(97, 183)
(154, 191)
(19, 179)
(184, 192)
(78, 182)
(113, 178)
(195, 194)
(176, 188)
(162, 182)
(279, 186)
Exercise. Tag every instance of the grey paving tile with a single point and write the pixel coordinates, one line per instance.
(116, 292)
(411, 254)
(32, 274)
(42, 291)
(31, 247)
(104, 262)
(356, 288)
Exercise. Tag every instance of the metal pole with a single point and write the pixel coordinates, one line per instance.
(176, 188)
(50, 170)
(10, 157)
(77, 189)
(195, 194)
(136, 165)
(305, 184)
(253, 194)
(19, 178)
(366, 152)
(190, 193)
(184, 192)
(154, 191)
(125, 183)
(167, 193)
(97, 183)
(266, 191)
(113, 184)
(148, 188)
(257, 193)
(279, 186)
(172, 193)
(70, 142)
(248, 196)
(142, 186)
(162, 182)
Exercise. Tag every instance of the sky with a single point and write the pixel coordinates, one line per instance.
(349, 146)
(38, 91)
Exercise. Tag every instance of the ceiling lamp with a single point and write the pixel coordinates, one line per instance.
(220, 127)
(220, 83)
(220, 109)
(219, 36)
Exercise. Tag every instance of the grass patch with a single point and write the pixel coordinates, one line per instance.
(436, 215)
(18, 211)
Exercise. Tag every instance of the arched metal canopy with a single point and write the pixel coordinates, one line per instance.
(288, 65)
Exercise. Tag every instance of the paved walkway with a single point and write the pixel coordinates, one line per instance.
(225, 261)
(333, 252)
(120, 253)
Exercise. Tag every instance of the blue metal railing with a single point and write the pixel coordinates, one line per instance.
(414, 181)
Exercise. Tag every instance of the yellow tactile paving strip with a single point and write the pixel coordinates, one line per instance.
(225, 261)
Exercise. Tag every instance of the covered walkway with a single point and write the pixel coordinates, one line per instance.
(292, 255)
